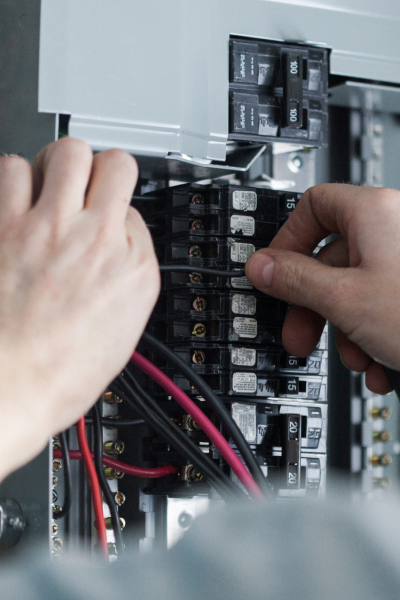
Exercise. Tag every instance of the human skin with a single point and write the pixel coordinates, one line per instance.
(78, 281)
(354, 282)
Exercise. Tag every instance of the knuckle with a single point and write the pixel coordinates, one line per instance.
(13, 165)
(121, 159)
(73, 148)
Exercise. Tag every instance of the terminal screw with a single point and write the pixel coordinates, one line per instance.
(384, 460)
(383, 483)
(112, 549)
(195, 252)
(382, 413)
(192, 474)
(197, 225)
(114, 448)
(200, 304)
(196, 278)
(109, 526)
(199, 330)
(57, 543)
(54, 529)
(119, 498)
(111, 398)
(57, 465)
(199, 357)
(382, 436)
(112, 473)
(197, 199)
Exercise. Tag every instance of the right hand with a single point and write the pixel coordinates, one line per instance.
(354, 283)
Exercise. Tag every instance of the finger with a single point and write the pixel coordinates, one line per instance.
(113, 180)
(15, 187)
(62, 171)
(301, 331)
(335, 253)
(322, 210)
(142, 250)
(376, 379)
(304, 281)
(303, 328)
(351, 355)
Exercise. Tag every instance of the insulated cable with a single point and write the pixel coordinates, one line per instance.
(202, 420)
(201, 270)
(148, 473)
(113, 423)
(94, 485)
(145, 405)
(64, 454)
(216, 403)
(105, 488)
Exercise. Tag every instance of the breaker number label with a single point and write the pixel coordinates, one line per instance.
(241, 252)
(245, 225)
(244, 305)
(243, 357)
(245, 416)
(242, 200)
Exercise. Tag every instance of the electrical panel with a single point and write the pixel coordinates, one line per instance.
(230, 118)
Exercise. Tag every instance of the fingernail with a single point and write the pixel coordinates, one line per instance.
(261, 269)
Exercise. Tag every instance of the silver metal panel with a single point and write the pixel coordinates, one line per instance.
(156, 72)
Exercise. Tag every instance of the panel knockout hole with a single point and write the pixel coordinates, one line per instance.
(185, 520)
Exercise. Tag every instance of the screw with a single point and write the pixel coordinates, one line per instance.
(383, 483)
(54, 528)
(55, 480)
(200, 304)
(57, 465)
(382, 436)
(119, 498)
(56, 445)
(382, 413)
(109, 526)
(197, 199)
(112, 473)
(383, 460)
(54, 496)
(112, 549)
(196, 278)
(195, 252)
(193, 474)
(56, 508)
(111, 398)
(185, 520)
(114, 448)
(57, 543)
(197, 225)
(199, 330)
(199, 357)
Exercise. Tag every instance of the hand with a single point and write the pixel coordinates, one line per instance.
(78, 281)
(354, 282)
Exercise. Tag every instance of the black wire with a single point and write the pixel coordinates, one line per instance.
(218, 406)
(116, 423)
(201, 270)
(158, 420)
(146, 198)
(67, 478)
(105, 488)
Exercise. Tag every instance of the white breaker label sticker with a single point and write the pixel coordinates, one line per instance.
(241, 283)
(244, 383)
(244, 305)
(244, 200)
(246, 225)
(245, 327)
(241, 252)
(245, 416)
(243, 357)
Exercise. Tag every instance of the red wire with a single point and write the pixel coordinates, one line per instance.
(94, 485)
(123, 467)
(202, 420)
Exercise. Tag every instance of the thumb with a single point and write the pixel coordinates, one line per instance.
(303, 281)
